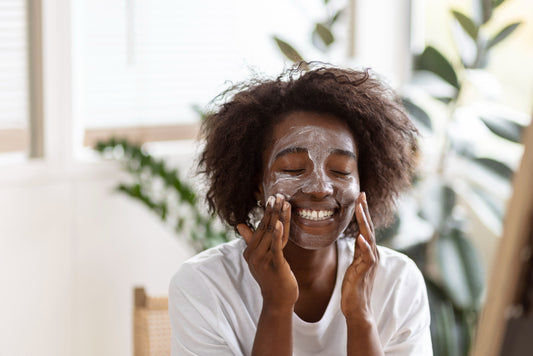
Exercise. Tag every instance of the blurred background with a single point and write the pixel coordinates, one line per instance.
(97, 95)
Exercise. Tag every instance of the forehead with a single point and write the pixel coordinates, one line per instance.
(312, 130)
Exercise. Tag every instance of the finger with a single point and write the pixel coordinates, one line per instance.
(275, 204)
(369, 221)
(245, 232)
(367, 253)
(367, 211)
(364, 227)
(357, 261)
(358, 252)
(263, 225)
(277, 245)
(286, 222)
(360, 264)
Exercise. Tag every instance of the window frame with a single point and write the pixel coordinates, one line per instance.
(143, 134)
(30, 138)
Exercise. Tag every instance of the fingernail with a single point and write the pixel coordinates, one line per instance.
(364, 197)
(270, 202)
(286, 206)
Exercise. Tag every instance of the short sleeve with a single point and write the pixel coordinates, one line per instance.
(412, 336)
(194, 316)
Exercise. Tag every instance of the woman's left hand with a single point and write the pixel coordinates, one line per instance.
(359, 278)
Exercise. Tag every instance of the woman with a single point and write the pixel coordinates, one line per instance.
(318, 158)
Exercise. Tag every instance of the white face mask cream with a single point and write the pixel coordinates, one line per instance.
(312, 161)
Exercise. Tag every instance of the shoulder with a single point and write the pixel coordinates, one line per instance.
(399, 273)
(210, 263)
(198, 296)
(398, 282)
(403, 308)
(229, 252)
(396, 262)
(400, 289)
(391, 262)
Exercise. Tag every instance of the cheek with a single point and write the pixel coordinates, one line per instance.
(287, 186)
(348, 193)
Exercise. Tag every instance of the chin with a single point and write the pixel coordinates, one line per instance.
(310, 241)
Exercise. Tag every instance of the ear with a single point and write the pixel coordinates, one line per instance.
(258, 182)
(259, 193)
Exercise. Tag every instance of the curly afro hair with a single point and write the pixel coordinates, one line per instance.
(235, 137)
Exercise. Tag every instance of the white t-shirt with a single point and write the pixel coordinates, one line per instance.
(215, 303)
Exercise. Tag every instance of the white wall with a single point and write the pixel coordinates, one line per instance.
(71, 252)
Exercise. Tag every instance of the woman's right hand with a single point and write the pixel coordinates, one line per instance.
(264, 254)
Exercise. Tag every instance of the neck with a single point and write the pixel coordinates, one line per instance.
(310, 266)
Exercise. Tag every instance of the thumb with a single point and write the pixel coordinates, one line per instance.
(245, 232)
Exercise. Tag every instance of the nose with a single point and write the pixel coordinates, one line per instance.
(317, 185)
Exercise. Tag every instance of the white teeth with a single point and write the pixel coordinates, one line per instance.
(315, 215)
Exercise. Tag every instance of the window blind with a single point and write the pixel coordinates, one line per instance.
(13, 65)
(148, 62)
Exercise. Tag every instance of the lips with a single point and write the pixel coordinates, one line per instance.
(315, 215)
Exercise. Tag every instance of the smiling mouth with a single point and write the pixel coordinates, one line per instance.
(315, 215)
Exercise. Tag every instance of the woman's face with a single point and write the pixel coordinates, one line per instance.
(312, 160)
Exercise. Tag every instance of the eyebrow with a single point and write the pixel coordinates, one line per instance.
(335, 151)
(290, 150)
(338, 151)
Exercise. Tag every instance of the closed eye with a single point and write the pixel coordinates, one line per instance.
(342, 173)
(293, 171)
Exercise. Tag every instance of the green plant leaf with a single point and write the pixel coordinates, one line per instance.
(444, 99)
(442, 325)
(438, 205)
(502, 35)
(493, 204)
(448, 323)
(288, 51)
(437, 291)
(145, 169)
(460, 269)
(494, 166)
(180, 224)
(467, 24)
(201, 112)
(483, 202)
(461, 146)
(434, 61)
(504, 128)
(325, 34)
(417, 114)
(185, 192)
(418, 253)
(336, 16)
(451, 331)
(464, 331)
(496, 3)
(486, 8)
(387, 233)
